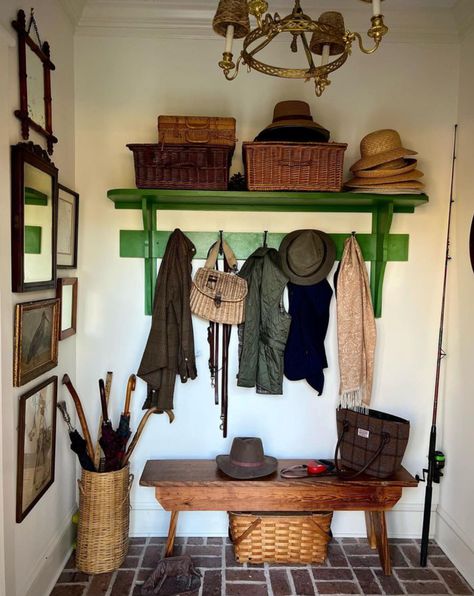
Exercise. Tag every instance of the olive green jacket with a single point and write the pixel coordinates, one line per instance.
(262, 337)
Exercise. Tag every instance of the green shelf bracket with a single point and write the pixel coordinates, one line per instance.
(378, 247)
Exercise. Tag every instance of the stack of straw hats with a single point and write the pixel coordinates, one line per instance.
(384, 166)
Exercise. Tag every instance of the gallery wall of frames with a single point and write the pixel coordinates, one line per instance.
(44, 232)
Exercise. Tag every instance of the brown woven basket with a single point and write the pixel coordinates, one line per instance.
(200, 130)
(104, 507)
(280, 537)
(294, 166)
(181, 167)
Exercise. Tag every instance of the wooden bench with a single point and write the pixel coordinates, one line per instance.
(198, 485)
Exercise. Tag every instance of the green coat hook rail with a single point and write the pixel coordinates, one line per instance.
(378, 248)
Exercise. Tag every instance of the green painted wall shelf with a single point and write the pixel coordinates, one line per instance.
(379, 247)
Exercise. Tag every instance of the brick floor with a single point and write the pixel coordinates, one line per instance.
(350, 568)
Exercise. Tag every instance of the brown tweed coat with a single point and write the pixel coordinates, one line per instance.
(170, 347)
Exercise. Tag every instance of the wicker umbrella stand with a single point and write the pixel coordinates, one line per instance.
(104, 510)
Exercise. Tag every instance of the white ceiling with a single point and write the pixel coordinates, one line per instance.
(409, 20)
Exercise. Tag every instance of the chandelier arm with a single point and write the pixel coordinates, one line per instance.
(308, 53)
(264, 43)
(231, 77)
(361, 43)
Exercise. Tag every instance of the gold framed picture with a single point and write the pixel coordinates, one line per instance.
(36, 445)
(36, 339)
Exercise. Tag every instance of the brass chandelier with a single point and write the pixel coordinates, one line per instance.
(329, 39)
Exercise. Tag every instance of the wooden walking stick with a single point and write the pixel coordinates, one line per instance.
(140, 428)
(80, 413)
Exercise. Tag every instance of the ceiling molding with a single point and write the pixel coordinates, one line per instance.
(73, 9)
(181, 20)
(464, 15)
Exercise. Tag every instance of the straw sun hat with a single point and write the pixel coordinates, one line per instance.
(380, 147)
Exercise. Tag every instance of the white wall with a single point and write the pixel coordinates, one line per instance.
(35, 550)
(122, 85)
(456, 518)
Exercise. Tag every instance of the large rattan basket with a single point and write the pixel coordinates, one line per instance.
(181, 167)
(104, 508)
(294, 166)
(280, 537)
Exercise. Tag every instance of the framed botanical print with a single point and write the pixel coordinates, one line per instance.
(36, 445)
(66, 291)
(68, 218)
(36, 339)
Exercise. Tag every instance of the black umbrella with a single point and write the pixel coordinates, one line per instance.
(110, 442)
(78, 444)
(123, 430)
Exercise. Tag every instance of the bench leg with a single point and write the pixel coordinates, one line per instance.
(377, 533)
(171, 533)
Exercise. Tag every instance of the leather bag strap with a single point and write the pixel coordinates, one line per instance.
(214, 252)
(384, 440)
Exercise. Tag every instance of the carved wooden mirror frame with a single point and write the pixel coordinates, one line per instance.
(25, 42)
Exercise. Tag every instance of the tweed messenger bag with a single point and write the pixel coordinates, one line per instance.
(219, 296)
(372, 443)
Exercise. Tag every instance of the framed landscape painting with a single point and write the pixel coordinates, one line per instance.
(36, 339)
(36, 445)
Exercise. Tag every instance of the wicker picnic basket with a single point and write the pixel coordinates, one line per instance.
(294, 166)
(287, 537)
(104, 508)
(181, 167)
(201, 130)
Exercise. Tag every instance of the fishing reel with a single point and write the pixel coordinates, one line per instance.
(438, 461)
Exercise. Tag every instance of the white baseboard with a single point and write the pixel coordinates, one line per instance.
(49, 567)
(457, 545)
(149, 519)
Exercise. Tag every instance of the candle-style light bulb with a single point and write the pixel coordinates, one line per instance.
(376, 9)
(229, 38)
(325, 54)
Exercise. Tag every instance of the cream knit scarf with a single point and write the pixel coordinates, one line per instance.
(356, 333)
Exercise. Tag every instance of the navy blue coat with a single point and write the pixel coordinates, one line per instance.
(305, 356)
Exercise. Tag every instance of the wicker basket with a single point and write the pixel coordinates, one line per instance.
(181, 167)
(280, 537)
(294, 166)
(104, 506)
(196, 130)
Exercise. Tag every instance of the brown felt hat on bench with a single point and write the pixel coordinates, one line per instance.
(246, 460)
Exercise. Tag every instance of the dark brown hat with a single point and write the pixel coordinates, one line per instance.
(246, 460)
(292, 121)
(307, 256)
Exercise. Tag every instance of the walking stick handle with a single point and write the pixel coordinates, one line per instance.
(140, 428)
(132, 381)
(80, 413)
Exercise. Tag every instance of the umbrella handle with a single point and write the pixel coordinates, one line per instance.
(80, 412)
(108, 388)
(103, 401)
(132, 382)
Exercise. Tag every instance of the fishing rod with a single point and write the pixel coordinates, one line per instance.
(436, 458)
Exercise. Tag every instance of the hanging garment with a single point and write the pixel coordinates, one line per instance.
(170, 347)
(305, 356)
(263, 335)
(356, 332)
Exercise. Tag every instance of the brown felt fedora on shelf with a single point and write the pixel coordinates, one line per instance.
(379, 147)
(246, 460)
(360, 181)
(307, 256)
(292, 121)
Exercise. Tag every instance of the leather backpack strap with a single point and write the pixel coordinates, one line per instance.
(226, 332)
(214, 252)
